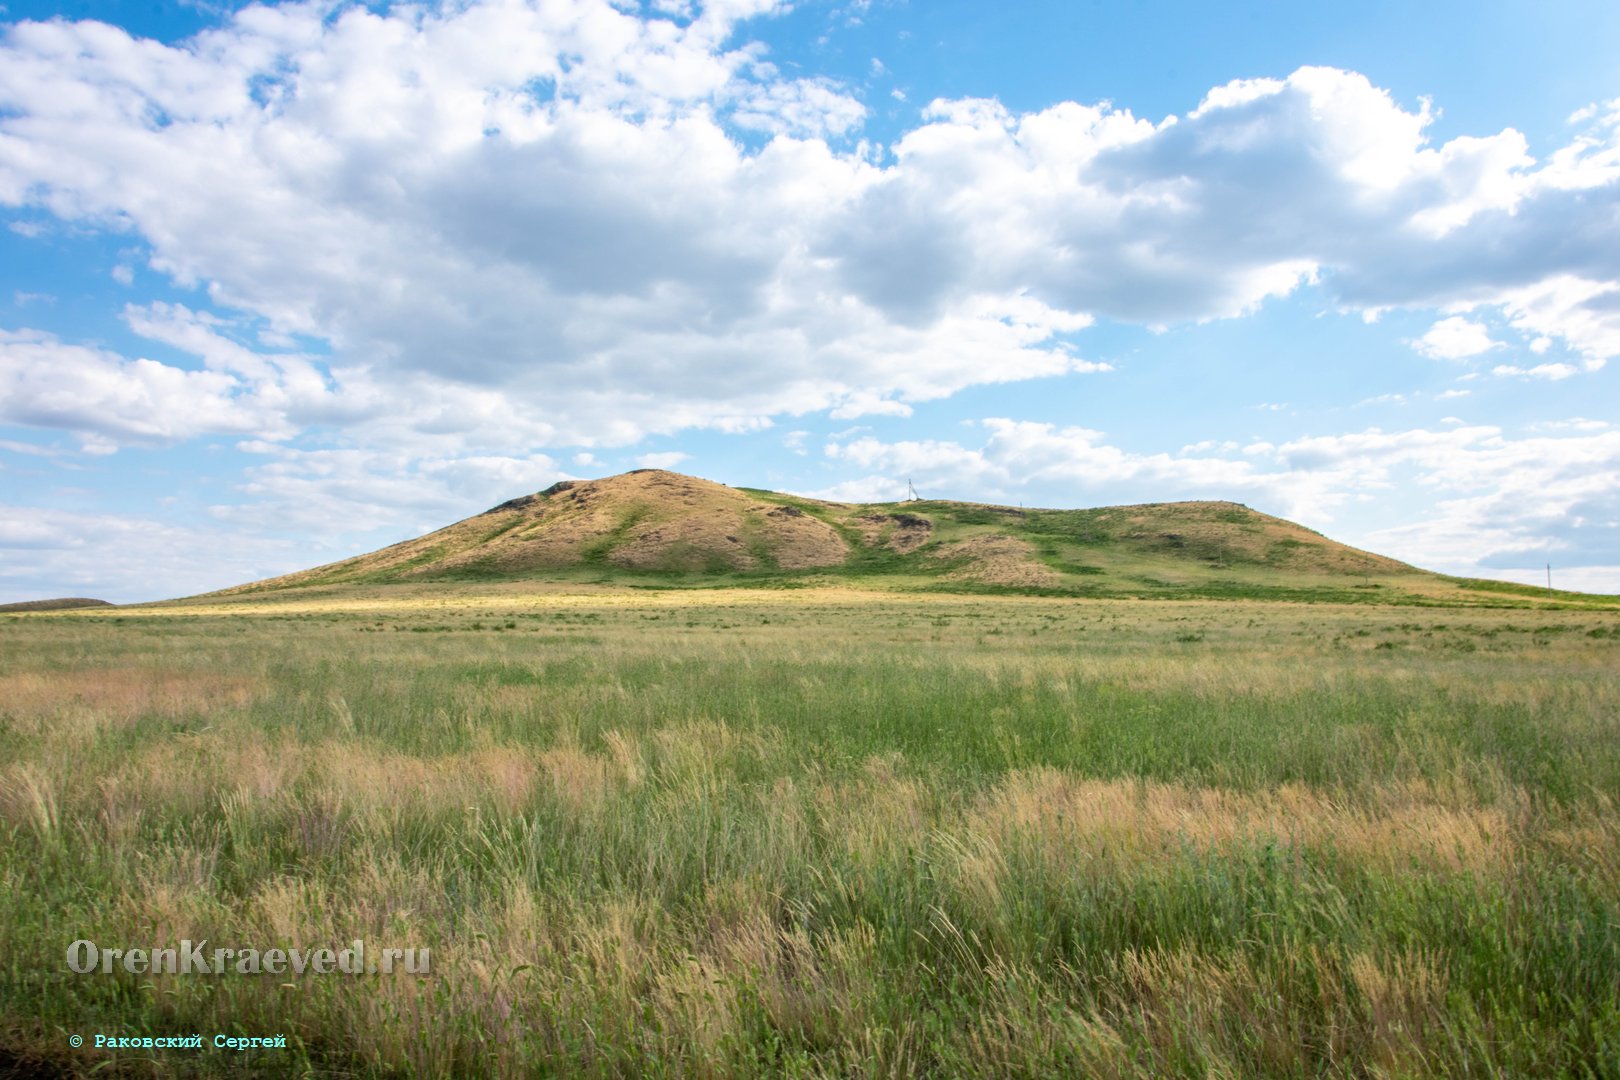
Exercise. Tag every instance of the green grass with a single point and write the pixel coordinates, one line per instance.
(734, 833)
(596, 552)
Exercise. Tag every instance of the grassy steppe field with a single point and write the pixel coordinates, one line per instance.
(821, 832)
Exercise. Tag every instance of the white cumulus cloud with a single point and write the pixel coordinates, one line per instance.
(1455, 338)
(556, 204)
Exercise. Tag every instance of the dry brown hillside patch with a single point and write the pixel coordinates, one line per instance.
(997, 560)
(650, 520)
(799, 541)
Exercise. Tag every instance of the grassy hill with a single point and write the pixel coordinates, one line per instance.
(656, 529)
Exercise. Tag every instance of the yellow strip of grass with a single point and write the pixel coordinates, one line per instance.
(528, 596)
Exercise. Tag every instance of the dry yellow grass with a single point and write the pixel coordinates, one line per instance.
(90, 700)
(1070, 821)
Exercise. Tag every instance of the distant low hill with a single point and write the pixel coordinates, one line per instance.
(60, 604)
(651, 528)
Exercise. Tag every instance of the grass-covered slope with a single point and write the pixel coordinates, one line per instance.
(655, 528)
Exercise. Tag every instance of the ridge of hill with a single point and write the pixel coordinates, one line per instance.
(61, 603)
(651, 528)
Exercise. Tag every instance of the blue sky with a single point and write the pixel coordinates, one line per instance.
(288, 282)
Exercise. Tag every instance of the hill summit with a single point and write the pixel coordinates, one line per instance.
(653, 526)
